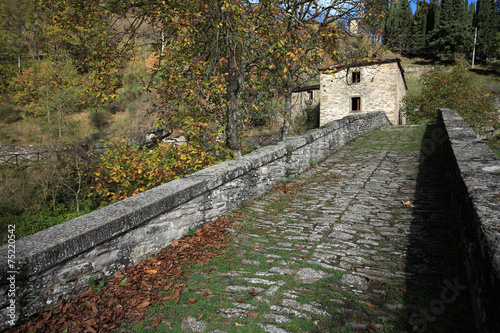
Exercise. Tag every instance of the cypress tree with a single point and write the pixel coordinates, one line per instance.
(398, 26)
(453, 33)
(486, 22)
(419, 29)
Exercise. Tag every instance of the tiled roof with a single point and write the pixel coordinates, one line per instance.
(372, 61)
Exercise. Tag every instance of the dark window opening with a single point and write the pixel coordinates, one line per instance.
(356, 104)
(310, 95)
(356, 77)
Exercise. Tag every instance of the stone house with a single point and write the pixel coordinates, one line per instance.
(376, 85)
(304, 97)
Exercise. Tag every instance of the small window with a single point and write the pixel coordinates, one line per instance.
(310, 95)
(356, 104)
(356, 77)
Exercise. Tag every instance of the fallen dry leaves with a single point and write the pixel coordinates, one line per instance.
(253, 314)
(253, 292)
(156, 322)
(370, 305)
(372, 328)
(128, 294)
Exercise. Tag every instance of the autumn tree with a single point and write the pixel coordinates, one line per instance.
(50, 88)
(299, 42)
(208, 58)
(208, 53)
(19, 38)
(360, 32)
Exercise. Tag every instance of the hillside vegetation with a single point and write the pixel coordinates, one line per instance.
(84, 73)
(108, 72)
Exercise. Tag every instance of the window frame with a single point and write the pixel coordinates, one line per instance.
(356, 100)
(355, 77)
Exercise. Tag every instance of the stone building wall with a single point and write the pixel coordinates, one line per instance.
(381, 87)
(303, 99)
(57, 263)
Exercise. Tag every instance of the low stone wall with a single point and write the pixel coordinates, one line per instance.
(473, 171)
(56, 263)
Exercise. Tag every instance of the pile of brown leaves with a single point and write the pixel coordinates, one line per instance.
(128, 294)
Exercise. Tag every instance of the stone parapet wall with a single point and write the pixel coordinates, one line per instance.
(57, 263)
(473, 171)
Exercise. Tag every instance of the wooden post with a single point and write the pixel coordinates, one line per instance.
(474, 51)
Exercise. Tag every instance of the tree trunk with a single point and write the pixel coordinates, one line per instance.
(47, 107)
(60, 119)
(77, 192)
(287, 113)
(235, 78)
(232, 139)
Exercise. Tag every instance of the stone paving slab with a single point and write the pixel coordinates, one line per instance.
(362, 242)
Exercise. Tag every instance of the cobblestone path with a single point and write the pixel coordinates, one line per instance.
(362, 242)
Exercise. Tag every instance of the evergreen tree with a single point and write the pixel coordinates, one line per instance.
(420, 29)
(453, 33)
(398, 26)
(486, 22)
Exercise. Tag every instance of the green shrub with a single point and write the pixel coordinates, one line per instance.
(306, 120)
(99, 118)
(96, 284)
(9, 210)
(37, 196)
(454, 89)
(124, 170)
(10, 114)
(494, 65)
(28, 221)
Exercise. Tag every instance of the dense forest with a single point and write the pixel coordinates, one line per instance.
(442, 30)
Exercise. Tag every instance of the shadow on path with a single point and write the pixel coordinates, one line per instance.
(437, 298)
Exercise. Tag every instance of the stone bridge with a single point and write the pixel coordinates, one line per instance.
(380, 228)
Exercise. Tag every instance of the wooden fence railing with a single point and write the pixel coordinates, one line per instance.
(43, 155)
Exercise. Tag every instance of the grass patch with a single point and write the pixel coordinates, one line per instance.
(405, 139)
(300, 325)
(29, 222)
(494, 145)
